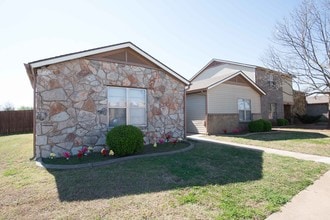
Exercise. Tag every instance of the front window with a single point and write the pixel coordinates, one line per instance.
(127, 106)
(244, 109)
(272, 111)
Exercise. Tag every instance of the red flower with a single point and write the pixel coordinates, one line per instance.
(80, 154)
(104, 152)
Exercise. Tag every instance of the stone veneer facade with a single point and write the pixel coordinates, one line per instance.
(71, 103)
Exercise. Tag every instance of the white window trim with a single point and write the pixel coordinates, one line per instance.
(245, 110)
(127, 107)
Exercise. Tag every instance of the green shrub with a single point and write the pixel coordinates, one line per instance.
(267, 125)
(125, 140)
(282, 122)
(260, 125)
(256, 126)
(308, 119)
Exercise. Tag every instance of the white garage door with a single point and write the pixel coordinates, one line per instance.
(196, 106)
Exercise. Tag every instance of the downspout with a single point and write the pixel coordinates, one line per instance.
(185, 109)
(33, 78)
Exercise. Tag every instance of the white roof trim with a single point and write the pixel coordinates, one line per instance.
(232, 76)
(78, 55)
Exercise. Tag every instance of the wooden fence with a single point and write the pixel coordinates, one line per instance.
(16, 121)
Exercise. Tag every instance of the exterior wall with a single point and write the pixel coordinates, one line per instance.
(226, 123)
(318, 109)
(223, 99)
(196, 113)
(274, 94)
(71, 103)
(287, 91)
(224, 69)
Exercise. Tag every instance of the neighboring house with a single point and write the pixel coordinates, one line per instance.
(272, 97)
(318, 105)
(80, 96)
(222, 103)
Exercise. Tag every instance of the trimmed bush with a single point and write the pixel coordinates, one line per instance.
(256, 126)
(125, 140)
(308, 119)
(260, 125)
(267, 125)
(282, 122)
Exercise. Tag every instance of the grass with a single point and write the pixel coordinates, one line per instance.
(97, 157)
(315, 142)
(209, 182)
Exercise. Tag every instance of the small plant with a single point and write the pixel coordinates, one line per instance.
(67, 155)
(155, 144)
(52, 155)
(260, 125)
(125, 140)
(80, 154)
(168, 136)
(224, 131)
(84, 150)
(104, 152)
(161, 141)
(90, 149)
(282, 122)
(236, 131)
(111, 153)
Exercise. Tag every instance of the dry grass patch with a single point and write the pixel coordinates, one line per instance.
(307, 141)
(209, 182)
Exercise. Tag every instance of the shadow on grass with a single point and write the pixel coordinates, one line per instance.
(204, 165)
(284, 135)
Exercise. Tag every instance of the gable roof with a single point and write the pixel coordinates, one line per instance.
(212, 82)
(320, 99)
(220, 61)
(32, 66)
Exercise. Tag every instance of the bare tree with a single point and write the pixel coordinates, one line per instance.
(8, 107)
(302, 47)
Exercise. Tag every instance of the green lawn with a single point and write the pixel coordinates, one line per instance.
(209, 182)
(315, 142)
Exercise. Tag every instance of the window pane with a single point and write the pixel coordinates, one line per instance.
(248, 116)
(117, 116)
(136, 98)
(240, 104)
(241, 115)
(137, 116)
(117, 97)
(247, 104)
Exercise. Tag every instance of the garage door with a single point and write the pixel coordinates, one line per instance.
(196, 105)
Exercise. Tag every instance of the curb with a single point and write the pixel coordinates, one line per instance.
(111, 161)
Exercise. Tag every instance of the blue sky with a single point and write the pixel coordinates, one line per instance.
(183, 34)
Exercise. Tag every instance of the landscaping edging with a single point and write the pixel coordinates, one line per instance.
(110, 161)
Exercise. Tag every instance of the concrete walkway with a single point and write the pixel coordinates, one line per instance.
(311, 203)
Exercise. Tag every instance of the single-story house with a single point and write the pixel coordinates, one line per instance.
(318, 105)
(222, 103)
(79, 96)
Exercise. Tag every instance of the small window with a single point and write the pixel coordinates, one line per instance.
(127, 106)
(272, 111)
(244, 109)
(271, 81)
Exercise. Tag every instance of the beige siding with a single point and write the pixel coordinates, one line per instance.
(287, 91)
(196, 113)
(223, 99)
(224, 69)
